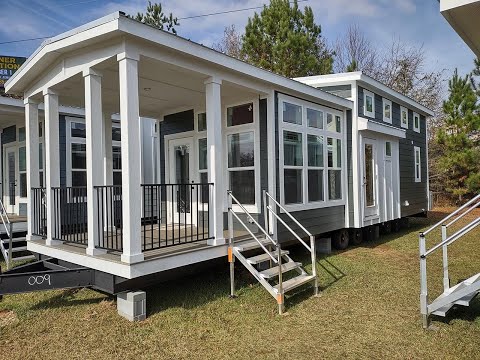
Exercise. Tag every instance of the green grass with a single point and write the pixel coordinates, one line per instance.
(368, 309)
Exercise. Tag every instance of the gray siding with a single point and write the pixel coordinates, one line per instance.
(410, 191)
(344, 91)
(317, 221)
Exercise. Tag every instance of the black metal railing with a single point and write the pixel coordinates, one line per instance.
(70, 214)
(172, 214)
(39, 206)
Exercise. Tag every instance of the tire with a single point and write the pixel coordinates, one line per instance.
(368, 233)
(396, 225)
(340, 239)
(356, 236)
(386, 228)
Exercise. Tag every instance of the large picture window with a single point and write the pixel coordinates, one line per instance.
(310, 154)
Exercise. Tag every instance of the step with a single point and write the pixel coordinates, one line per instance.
(295, 282)
(18, 249)
(265, 257)
(273, 271)
(251, 245)
(443, 310)
(14, 240)
(465, 301)
(21, 258)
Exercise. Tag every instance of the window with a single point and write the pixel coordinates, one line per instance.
(22, 169)
(240, 164)
(368, 104)
(404, 117)
(387, 111)
(202, 121)
(116, 133)
(21, 134)
(388, 148)
(416, 122)
(418, 166)
(77, 130)
(310, 154)
(117, 165)
(203, 167)
(240, 115)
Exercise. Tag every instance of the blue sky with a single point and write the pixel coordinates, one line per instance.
(417, 22)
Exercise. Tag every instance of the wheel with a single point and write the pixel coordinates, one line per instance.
(356, 236)
(368, 233)
(340, 239)
(386, 228)
(405, 223)
(396, 225)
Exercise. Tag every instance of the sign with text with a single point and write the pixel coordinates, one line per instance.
(8, 66)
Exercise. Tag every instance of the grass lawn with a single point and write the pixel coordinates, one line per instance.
(369, 309)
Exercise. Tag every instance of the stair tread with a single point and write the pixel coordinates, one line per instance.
(295, 282)
(264, 257)
(462, 284)
(443, 310)
(6, 241)
(465, 301)
(26, 257)
(269, 273)
(253, 244)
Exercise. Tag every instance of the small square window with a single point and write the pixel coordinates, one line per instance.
(315, 118)
(369, 104)
(404, 117)
(78, 130)
(202, 121)
(292, 113)
(388, 148)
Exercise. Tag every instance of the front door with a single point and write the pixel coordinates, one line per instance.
(370, 178)
(10, 188)
(181, 176)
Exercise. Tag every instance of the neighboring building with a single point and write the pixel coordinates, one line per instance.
(232, 142)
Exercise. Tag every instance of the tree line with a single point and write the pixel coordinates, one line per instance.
(285, 39)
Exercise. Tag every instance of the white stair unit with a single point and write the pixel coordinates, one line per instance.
(463, 292)
(278, 260)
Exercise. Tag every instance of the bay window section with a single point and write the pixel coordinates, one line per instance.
(293, 167)
(241, 166)
(315, 168)
(334, 151)
(292, 113)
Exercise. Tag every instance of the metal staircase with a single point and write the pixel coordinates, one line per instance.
(462, 293)
(263, 256)
(13, 245)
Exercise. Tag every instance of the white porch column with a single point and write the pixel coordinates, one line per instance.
(52, 163)
(108, 170)
(131, 159)
(33, 180)
(215, 158)
(94, 141)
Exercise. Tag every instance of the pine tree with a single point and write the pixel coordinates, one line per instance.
(156, 18)
(461, 159)
(287, 41)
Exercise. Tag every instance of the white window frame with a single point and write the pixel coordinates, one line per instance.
(415, 128)
(387, 156)
(402, 110)
(72, 140)
(236, 129)
(305, 131)
(385, 118)
(116, 143)
(365, 112)
(21, 144)
(199, 135)
(418, 176)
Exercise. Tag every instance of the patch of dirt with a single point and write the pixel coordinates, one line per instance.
(7, 317)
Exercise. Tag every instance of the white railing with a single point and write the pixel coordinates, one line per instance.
(446, 241)
(9, 231)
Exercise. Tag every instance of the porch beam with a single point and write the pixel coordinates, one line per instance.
(52, 162)
(131, 159)
(215, 158)
(94, 141)
(33, 165)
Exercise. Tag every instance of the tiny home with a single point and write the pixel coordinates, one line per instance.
(245, 161)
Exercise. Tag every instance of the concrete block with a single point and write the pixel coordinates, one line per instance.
(323, 245)
(376, 232)
(132, 305)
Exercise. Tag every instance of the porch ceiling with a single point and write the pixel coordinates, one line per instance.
(163, 88)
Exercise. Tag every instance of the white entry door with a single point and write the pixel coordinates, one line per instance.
(181, 175)
(10, 179)
(370, 178)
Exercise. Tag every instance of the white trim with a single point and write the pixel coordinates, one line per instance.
(385, 118)
(416, 129)
(305, 130)
(418, 177)
(402, 110)
(366, 124)
(365, 111)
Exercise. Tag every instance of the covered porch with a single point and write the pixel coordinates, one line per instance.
(113, 206)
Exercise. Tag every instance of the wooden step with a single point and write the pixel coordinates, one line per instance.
(273, 271)
(295, 282)
(265, 257)
(251, 245)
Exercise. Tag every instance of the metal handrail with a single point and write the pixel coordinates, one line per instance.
(461, 216)
(451, 215)
(8, 231)
(452, 238)
(289, 228)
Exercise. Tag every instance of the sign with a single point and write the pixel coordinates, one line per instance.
(8, 66)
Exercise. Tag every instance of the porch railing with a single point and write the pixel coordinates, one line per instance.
(39, 202)
(70, 213)
(172, 214)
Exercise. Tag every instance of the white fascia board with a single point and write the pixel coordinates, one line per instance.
(365, 124)
(190, 48)
(367, 82)
(7, 101)
(452, 4)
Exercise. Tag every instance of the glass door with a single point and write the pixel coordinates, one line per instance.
(370, 178)
(181, 175)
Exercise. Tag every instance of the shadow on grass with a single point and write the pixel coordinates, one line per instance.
(67, 298)
(464, 313)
